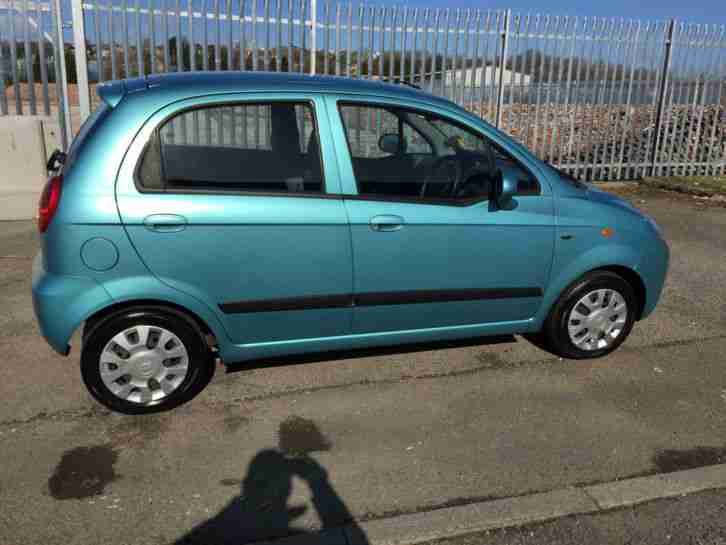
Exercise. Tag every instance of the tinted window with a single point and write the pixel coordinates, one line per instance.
(366, 124)
(437, 159)
(270, 147)
(527, 184)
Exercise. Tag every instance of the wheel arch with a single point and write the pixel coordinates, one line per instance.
(632, 277)
(96, 318)
(619, 259)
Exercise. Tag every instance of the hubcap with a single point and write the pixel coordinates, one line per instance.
(597, 319)
(143, 364)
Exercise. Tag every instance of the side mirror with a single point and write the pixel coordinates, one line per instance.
(391, 143)
(506, 187)
(56, 159)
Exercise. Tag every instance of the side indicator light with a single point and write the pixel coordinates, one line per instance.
(607, 232)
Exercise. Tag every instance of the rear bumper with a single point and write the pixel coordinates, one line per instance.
(61, 303)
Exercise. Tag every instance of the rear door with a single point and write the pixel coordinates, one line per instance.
(235, 201)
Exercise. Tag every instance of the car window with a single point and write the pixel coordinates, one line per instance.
(251, 148)
(366, 124)
(437, 160)
(527, 183)
(464, 139)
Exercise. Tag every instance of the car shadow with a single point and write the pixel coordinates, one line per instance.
(261, 510)
(365, 353)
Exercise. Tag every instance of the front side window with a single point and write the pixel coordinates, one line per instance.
(255, 148)
(407, 154)
(366, 125)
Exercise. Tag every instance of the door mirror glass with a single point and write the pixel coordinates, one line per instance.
(507, 186)
(391, 143)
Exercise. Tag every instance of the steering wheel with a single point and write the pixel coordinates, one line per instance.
(444, 170)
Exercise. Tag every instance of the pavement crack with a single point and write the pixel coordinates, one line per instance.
(62, 415)
(591, 498)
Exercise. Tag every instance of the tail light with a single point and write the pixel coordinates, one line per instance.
(48, 203)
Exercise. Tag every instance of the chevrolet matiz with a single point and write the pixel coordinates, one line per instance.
(237, 216)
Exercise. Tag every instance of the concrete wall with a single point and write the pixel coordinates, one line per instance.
(25, 143)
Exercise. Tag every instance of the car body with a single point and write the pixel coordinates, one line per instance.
(150, 213)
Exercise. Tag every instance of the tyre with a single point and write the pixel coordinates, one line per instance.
(145, 360)
(592, 317)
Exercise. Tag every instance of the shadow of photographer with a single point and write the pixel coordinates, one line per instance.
(261, 511)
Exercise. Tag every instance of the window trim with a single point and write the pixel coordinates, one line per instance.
(417, 200)
(155, 134)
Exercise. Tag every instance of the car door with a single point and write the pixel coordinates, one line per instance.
(425, 259)
(230, 203)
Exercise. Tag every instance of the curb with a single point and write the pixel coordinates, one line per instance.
(479, 517)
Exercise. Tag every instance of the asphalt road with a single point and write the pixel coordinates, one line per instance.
(394, 432)
(699, 519)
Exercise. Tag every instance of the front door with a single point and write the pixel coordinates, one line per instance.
(430, 249)
(230, 203)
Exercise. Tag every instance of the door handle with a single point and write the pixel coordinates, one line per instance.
(165, 223)
(386, 222)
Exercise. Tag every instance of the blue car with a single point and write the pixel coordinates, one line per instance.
(240, 216)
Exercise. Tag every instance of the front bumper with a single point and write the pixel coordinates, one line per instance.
(62, 302)
(654, 269)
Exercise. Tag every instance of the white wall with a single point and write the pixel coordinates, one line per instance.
(488, 75)
(25, 142)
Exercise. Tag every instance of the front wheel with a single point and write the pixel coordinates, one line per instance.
(592, 317)
(145, 360)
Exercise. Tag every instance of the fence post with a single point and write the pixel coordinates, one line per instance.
(61, 79)
(79, 43)
(313, 35)
(662, 93)
(502, 67)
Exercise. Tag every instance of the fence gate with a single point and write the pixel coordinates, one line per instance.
(605, 99)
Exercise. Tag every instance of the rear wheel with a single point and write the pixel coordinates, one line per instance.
(145, 360)
(592, 317)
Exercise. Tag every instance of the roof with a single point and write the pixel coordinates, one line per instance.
(190, 84)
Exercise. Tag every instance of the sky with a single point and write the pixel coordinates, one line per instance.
(697, 11)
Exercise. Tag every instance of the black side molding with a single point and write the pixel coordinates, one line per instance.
(291, 303)
(376, 299)
(441, 296)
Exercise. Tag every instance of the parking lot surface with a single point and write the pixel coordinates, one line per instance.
(304, 443)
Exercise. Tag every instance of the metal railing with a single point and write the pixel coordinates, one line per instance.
(603, 98)
(32, 72)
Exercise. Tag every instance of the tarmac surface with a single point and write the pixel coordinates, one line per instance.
(301, 444)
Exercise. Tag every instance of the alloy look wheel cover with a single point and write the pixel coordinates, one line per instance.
(597, 319)
(143, 364)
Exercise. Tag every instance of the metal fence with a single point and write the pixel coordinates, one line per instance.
(32, 72)
(603, 98)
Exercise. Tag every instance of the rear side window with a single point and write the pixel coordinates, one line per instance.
(249, 148)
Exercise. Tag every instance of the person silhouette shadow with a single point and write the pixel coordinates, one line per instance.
(261, 511)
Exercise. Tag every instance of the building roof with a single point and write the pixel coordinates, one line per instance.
(486, 75)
